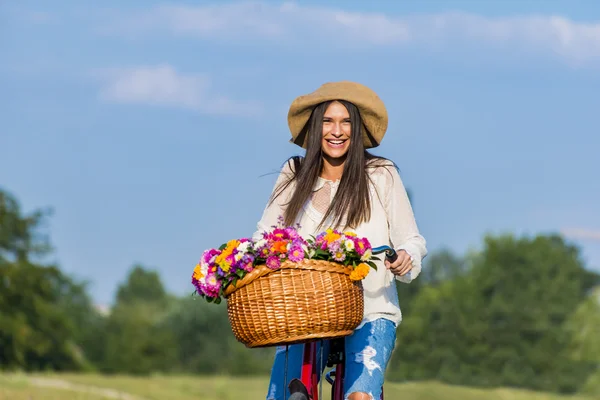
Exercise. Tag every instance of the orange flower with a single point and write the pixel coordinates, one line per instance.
(198, 273)
(360, 272)
(331, 236)
(279, 246)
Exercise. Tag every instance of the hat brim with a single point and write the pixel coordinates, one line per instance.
(371, 108)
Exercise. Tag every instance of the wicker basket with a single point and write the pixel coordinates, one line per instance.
(312, 299)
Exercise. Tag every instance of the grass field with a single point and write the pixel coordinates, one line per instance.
(97, 387)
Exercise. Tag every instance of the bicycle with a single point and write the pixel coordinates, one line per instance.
(307, 386)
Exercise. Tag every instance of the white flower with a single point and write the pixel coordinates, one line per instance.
(243, 247)
(260, 244)
(203, 272)
(367, 255)
(349, 244)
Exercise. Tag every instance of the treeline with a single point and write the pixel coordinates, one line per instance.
(521, 312)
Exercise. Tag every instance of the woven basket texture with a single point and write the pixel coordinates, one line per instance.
(299, 302)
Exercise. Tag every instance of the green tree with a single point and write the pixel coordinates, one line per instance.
(142, 286)
(502, 323)
(584, 328)
(20, 236)
(37, 327)
(438, 267)
(137, 340)
(206, 343)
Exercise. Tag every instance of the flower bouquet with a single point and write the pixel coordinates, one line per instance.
(284, 289)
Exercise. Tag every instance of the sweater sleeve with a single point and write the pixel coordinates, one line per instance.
(403, 230)
(275, 209)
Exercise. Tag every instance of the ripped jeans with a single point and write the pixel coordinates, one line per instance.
(368, 351)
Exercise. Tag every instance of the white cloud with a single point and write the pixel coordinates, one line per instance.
(162, 85)
(577, 43)
(579, 233)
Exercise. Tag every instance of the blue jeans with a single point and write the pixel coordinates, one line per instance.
(368, 351)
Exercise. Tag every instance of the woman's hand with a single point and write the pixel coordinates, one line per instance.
(402, 265)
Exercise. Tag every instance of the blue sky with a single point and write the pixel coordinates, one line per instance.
(154, 129)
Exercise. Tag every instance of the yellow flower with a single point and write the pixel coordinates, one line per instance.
(331, 236)
(225, 266)
(198, 273)
(232, 245)
(349, 233)
(360, 272)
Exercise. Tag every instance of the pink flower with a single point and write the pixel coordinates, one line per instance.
(361, 245)
(211, 287)
(208, 255)
(334, 246)
(339, 255)
(273, 262)
(248, 266)
(296, 253)
(230, 259)
(292, 233)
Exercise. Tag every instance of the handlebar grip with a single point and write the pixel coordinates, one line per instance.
(391, 255)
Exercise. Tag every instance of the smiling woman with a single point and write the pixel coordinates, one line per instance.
(336, 137)
(339, 184)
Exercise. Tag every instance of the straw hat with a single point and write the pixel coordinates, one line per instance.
(372, 110)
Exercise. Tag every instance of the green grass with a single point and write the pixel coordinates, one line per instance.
(18, 387)
(91, 387)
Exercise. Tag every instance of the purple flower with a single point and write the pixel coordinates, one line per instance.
(292, 233)
(273, 262)
(211, 287)
(334, 246)
(247, 258)
(247, 266)
(296, 253)
(339, 256)
(209, 254)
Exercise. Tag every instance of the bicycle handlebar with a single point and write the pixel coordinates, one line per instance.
(390, 253)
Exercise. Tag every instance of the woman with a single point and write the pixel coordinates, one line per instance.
(339, 184)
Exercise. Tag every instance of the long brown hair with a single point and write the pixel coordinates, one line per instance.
(352, 200)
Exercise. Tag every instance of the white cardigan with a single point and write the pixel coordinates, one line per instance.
(392, 223)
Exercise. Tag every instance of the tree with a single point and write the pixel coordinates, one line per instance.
(142, 286)
(136, 339)
(206, 344)
(438, 267)
(37, 328)
(584, 328)
(503, 323)
(19, 234)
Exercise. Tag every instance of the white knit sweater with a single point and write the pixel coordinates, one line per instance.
(392, 223)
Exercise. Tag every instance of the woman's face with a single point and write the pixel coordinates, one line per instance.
(336, 132)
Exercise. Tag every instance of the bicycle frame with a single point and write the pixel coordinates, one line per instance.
(309, 370)
(309, 374)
